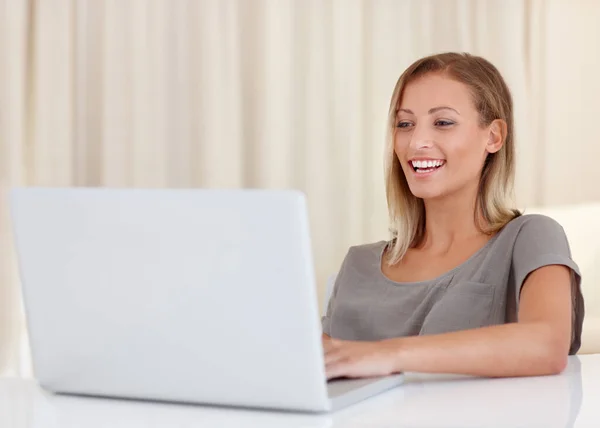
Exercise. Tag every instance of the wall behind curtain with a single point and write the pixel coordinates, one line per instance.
(272, 94)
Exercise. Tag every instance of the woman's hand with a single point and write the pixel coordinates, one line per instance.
(357, 359)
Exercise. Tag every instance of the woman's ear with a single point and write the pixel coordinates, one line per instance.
(497, 135)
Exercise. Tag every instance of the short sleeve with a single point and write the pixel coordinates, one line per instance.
(326, 319)
(540, 242)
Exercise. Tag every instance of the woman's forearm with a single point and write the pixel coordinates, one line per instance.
(523, 349)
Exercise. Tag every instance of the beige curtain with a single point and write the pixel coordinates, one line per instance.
(270, 93)
(14, 148)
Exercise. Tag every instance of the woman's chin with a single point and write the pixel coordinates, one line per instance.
(426, 192)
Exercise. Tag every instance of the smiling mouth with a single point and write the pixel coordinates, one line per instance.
(425, 166)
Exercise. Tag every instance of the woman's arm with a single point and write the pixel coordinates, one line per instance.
(538, 344)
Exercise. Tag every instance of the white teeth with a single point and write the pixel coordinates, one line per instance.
(427, 163)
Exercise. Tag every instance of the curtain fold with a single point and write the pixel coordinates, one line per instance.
(15, 102)
(271, 94)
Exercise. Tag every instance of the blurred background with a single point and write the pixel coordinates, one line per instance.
(272, 94)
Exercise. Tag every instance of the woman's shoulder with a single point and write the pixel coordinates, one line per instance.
(527, 225)
(368, 248)
(534, 235)
(364, 255)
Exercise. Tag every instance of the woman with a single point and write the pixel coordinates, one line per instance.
(467, 284)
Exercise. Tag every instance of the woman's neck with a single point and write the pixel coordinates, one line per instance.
(449, 222)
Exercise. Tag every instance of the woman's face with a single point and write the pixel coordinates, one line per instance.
(438, 137)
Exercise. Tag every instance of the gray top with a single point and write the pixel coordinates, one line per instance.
(482, 291)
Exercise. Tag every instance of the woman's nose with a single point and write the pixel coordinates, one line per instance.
(420, 139)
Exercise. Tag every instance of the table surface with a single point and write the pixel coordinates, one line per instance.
(571, 399)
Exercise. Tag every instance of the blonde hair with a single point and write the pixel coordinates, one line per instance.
(493, 100)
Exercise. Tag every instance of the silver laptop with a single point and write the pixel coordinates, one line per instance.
(196, 296)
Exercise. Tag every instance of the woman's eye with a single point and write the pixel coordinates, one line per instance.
(403, 124)
(443, 123)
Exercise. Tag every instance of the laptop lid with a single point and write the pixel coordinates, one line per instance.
(203, 296)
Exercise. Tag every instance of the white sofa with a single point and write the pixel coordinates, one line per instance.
(582, 226)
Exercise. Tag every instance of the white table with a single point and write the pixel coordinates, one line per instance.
(571, 399)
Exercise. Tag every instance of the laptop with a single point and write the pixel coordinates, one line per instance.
(193, 296)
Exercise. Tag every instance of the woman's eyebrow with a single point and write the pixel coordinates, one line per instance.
(431, 111)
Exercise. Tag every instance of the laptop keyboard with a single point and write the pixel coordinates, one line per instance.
(340, 386)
